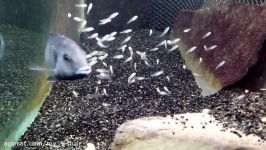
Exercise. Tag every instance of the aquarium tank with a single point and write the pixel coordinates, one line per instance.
(133, 74)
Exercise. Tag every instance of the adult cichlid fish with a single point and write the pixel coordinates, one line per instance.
(64, 58)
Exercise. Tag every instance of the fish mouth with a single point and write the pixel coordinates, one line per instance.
(84, 70)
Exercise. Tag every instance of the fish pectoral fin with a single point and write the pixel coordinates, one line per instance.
(39, 68)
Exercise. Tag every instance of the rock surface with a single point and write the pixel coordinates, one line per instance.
(226, 37)
(191, 131)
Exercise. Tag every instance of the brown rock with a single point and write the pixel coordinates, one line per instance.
(196, 131)
(237, 30)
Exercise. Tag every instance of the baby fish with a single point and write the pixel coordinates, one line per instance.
(126, 31)
(164, 42)
(220, 65)
(118, 57)
(113, 15)
(210, 48)
(173, 48)
(99, 82)
(142, 55)
(105, 21)
(206, 35)
(200, 60)
(147, 63)
(135, 66)
(196, 75)
(107, 37)
(101, 53)
(165, 31)
(131, 51)
(140, 78)
(184, 67)
(134, 18)
(163, 93)
(93, 96)
(111, 70)
(191, 49)
(69, 15)
(103, 76)
(81, 5)
(168, 78)
(129, 80)
(187, 30)
(126, 40)
(166, 89)
(92, 63)
(128, 59)
(102, 70)
(157, 61)
(106, 104)
(93, 36)
(174, 42)
(123, 48)
(89, 8)
(92, 59)
(75, 93)
(105, 64)
(101, 44)
(154, 49)
(150, 32)
(78, 19)
(97, 89)
(96, 53)
(109, 19)
(158, 73)
(110, 39)
(104, 38)
(88, 29)
(105, 92)
(103, 57)
(113, 33)
(83, 25)
(240, 97)
(169, 42)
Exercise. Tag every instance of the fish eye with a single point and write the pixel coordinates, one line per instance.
(67, 58)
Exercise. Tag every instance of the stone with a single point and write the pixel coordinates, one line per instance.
(191, 131)
(228, 40)
(90, 146)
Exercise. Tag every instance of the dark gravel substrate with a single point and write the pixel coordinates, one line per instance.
(65, 118)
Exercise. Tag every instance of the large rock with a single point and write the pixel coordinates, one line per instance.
(198, 131)
(236, 35)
